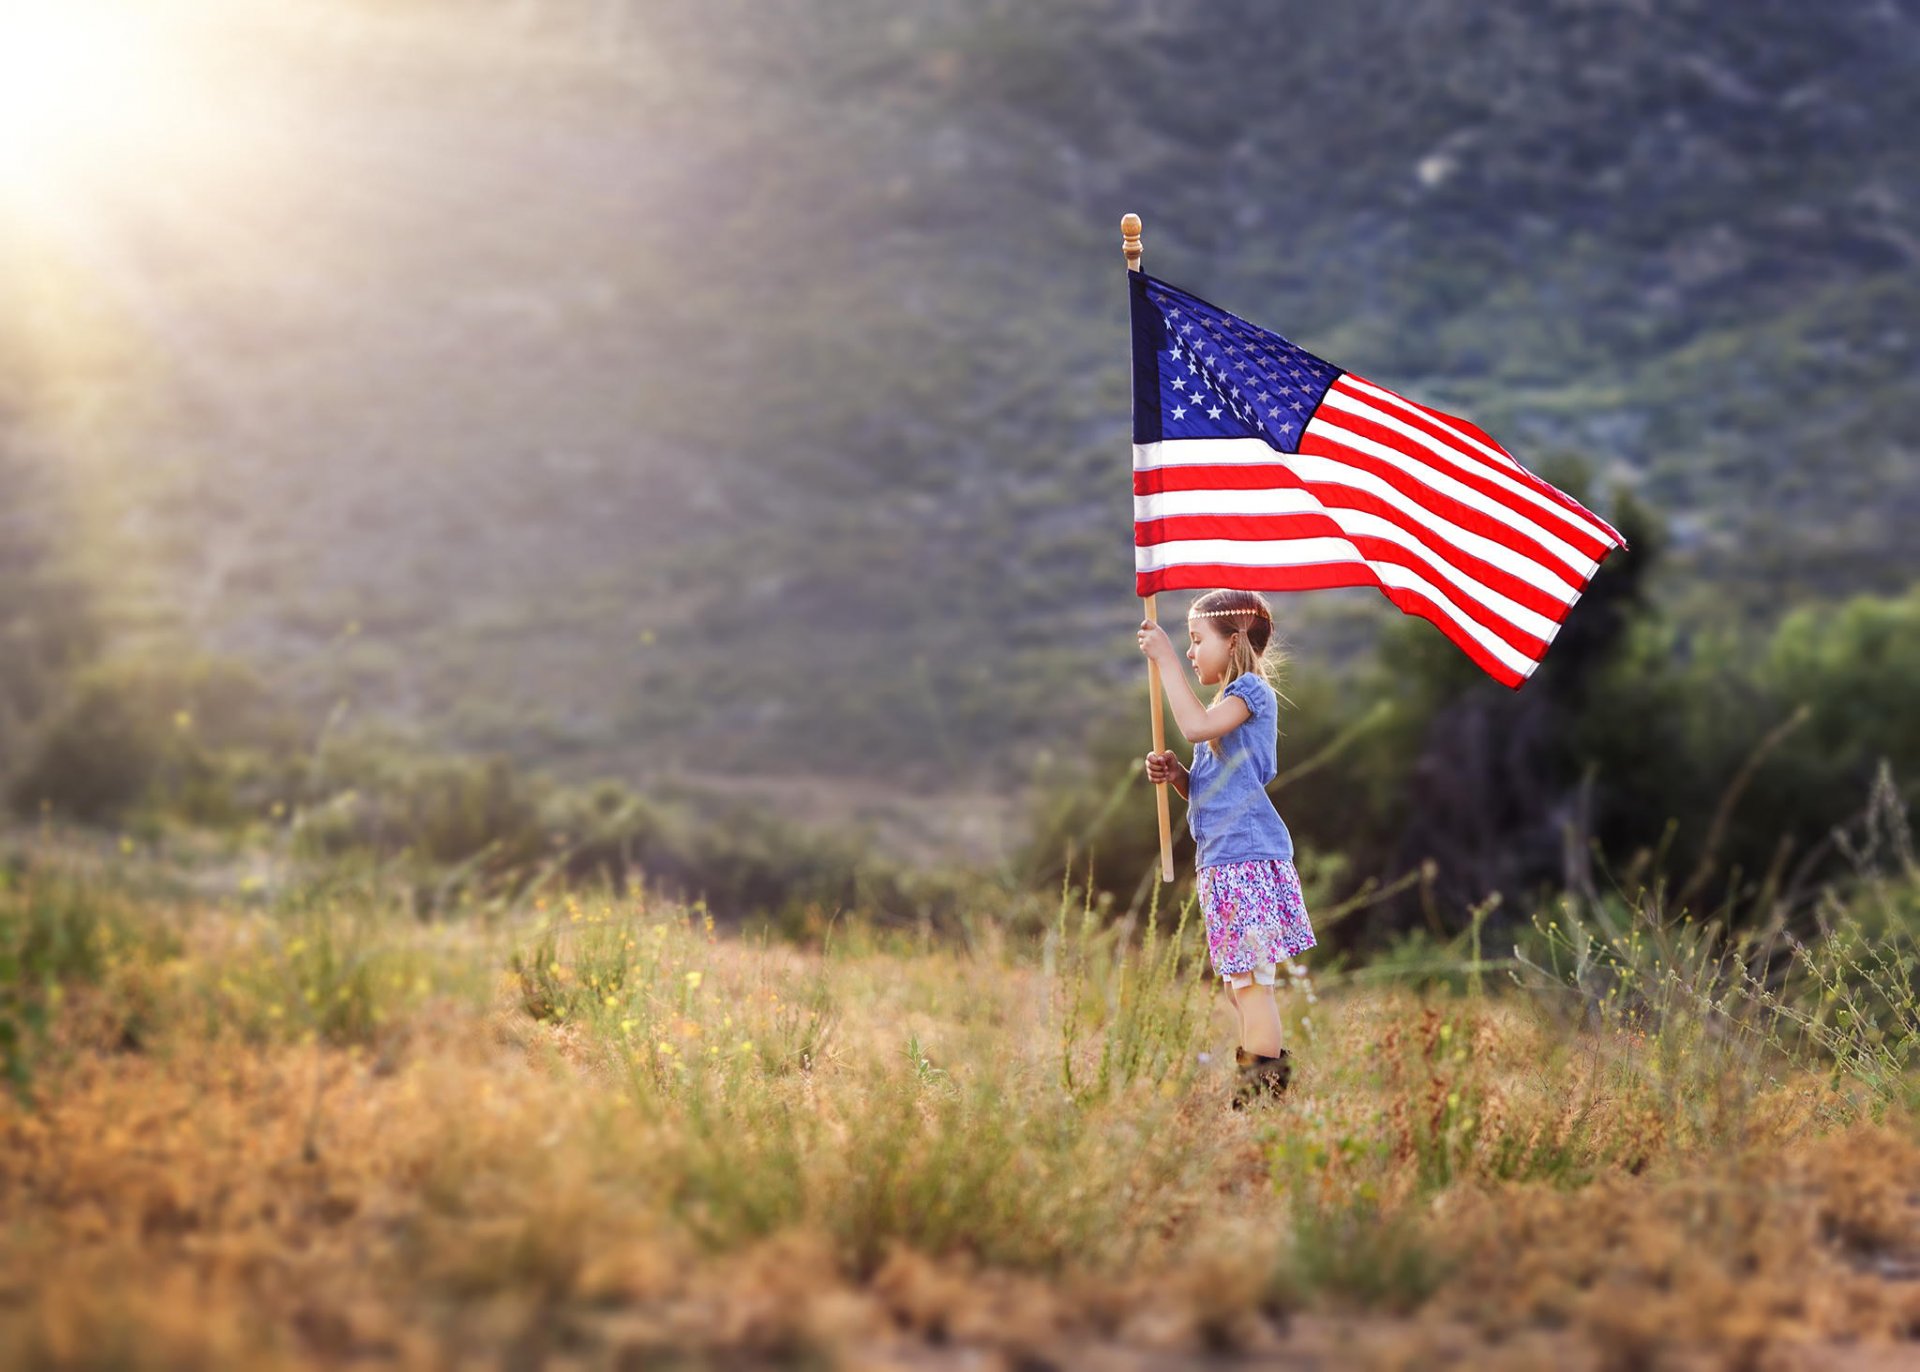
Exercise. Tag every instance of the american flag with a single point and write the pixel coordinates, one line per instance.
(1260, 467)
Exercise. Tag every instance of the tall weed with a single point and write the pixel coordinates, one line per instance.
(1125, 1015)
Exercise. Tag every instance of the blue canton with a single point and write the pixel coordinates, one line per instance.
(1200, 372)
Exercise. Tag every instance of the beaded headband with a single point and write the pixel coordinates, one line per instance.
(1212, 614)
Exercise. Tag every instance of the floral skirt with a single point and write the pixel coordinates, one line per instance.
(1255, 914)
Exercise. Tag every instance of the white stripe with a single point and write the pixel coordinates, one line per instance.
(1348, 404)
(1197, 452)
(1356, 523)
(1266, 500)
(1574, 560)
(1193, 451)
(1304, 552)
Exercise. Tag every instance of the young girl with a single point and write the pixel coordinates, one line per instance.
(1249, 891)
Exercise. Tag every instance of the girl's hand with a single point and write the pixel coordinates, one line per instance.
(1156, 645)
(1164, 767)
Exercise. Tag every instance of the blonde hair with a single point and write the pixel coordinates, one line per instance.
(1246, 619)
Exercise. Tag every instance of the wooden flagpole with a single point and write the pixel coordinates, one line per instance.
(1130, 245)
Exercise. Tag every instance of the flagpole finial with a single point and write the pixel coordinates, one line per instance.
(1130, 240)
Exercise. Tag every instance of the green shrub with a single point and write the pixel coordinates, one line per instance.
(60, 929)
(133, 735)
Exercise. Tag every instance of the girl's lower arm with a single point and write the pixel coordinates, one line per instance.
(1184, 703)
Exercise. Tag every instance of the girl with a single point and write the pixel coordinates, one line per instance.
(1249, 891)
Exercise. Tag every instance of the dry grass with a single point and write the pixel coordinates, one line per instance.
(314, 1133)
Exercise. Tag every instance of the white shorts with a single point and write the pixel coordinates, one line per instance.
(1265, 974)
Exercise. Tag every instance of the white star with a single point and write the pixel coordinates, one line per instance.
(1214, 413)
(1179, 411)
(1274, 413)
(1179, 383)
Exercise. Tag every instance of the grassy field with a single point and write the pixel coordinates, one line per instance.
(286, 1124)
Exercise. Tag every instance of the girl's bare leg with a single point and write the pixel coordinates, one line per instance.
(1239, 1016)
(1259, 1019)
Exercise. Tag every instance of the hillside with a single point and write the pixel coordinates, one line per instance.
(733, 390)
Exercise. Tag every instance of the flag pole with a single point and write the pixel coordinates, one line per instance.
(1130, 245)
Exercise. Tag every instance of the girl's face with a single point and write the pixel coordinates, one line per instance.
(1207, 650)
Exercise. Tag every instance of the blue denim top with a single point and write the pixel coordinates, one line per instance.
(1228, 809)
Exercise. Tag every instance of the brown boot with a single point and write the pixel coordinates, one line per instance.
(1260, 1076)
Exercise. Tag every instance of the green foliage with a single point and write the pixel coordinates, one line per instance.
(1847, 997)
(1729, 997)
(60, 930)
(439, 810)
(133, 736)
(1853, 665)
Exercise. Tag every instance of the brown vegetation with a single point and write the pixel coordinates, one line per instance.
(597, 1133)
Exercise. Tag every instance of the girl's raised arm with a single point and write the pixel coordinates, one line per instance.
(1198, 721)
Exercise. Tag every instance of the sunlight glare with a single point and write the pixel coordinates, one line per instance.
(81, 82)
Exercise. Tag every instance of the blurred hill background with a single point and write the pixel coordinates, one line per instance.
(739, 392)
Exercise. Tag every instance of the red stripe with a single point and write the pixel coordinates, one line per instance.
(1204, 576)
(1433, 422)
(1237, 476)
(1579, 535)
(1173, 528)
(1148, 533)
